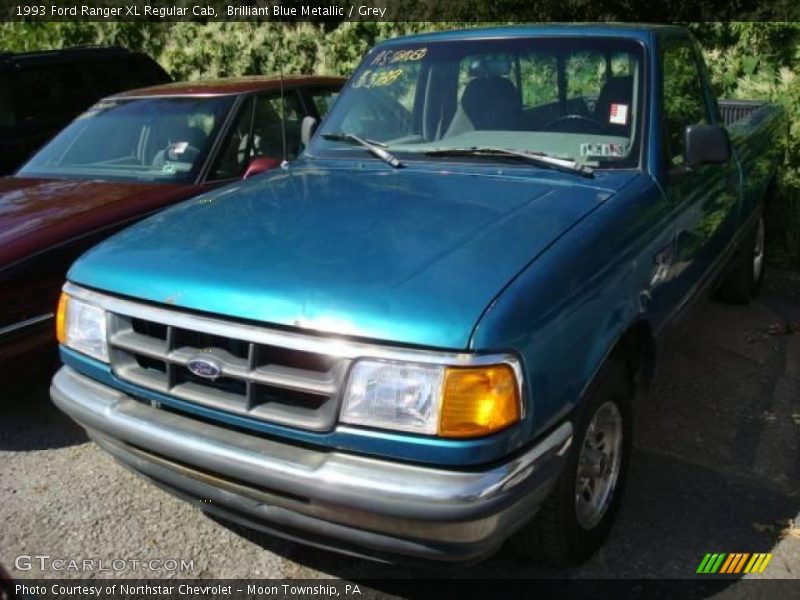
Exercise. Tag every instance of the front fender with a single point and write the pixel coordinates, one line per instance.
(567, 311)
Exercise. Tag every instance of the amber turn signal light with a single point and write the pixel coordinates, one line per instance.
(61, 318)
(479, 401)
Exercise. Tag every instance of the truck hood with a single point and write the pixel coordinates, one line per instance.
(36, 214)
(408, 255)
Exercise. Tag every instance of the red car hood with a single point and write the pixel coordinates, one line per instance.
(37, 214)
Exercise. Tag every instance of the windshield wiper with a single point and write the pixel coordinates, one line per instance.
(539, 158)
(373, 147)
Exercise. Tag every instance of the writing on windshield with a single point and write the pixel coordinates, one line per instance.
(576, 99)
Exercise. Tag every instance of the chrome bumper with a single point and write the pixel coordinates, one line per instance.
(365, 506)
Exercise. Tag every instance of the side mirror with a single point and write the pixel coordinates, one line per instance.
(307, 129)
(706, 144)
(260, 164)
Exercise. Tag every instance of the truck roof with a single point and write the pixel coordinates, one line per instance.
(630, 30)
(228, 86)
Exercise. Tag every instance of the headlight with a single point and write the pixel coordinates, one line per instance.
(82, 327)
(432, 399)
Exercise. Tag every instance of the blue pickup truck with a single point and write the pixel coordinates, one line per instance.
(427, 335)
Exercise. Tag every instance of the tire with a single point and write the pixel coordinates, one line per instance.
(744, 281)
(563, 533)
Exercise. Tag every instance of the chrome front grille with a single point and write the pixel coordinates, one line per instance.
(270, 374)
(260, 380)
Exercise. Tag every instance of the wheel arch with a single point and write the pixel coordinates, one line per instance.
(636, 348)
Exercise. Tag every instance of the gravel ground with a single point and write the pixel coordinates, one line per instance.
(716, 469)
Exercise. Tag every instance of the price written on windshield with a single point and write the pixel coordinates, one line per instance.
(372, 79)
(389, 57)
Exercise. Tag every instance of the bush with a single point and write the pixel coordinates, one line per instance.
(762, 61)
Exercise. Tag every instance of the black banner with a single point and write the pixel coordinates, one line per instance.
(467, 11)
(440, 589)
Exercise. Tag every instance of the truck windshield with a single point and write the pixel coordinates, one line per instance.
(138, 139)
(577, 99)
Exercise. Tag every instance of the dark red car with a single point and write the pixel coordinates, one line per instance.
(128, 156)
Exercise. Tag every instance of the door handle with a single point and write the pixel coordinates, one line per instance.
(662, 264)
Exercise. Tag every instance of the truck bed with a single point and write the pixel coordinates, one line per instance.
(757, 130)
(733, 111)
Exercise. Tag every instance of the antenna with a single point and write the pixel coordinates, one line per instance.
(284, 158)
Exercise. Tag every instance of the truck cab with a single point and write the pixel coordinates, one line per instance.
(427, 336)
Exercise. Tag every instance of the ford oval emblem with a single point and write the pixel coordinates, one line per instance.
(206, 368)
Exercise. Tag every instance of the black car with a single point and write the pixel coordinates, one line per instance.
(40, 92)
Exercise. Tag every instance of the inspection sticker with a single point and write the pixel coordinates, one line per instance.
(618, 114)
(599, 149)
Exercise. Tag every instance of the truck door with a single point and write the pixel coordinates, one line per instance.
(704, 198)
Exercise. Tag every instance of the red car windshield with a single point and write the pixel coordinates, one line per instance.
(139, 139)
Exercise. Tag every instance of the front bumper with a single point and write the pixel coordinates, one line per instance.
(359, 505)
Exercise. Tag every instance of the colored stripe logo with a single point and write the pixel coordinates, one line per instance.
(734, 563)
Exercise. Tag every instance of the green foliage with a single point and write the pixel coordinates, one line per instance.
(191, 50)
(762, 61)
(746, 60)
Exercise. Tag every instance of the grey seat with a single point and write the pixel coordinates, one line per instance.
(487, 104)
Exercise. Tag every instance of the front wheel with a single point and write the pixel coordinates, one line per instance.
(576, 518)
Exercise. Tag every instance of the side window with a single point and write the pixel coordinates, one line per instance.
(539, 75)
(622, 64)
(585, 73)
(684, 102)
(267, 126)
(323, 100)
(258, 131)
(237, 148)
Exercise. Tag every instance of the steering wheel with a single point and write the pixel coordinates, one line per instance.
(574, 123)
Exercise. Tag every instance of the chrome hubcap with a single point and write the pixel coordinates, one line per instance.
(758, 251)
(598, 465)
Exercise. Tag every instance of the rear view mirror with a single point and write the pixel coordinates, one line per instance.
(706, 144)
(307, 129)
(490, 66)
(260, 164)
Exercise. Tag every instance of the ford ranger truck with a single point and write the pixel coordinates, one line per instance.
(427, 335)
